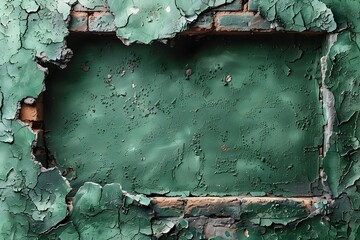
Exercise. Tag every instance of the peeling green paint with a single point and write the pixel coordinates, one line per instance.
(298, 15)
(33, 198)
(30, 196)
(139, 21)
(346, 13)
(341, 161)
(106, 212)
(341, 79)
(92, 4)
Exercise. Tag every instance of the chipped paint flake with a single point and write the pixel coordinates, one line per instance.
(146, 21)
(299, 15)
(32, 201)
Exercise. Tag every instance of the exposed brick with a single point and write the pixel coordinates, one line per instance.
(218, 206)
(79, 22)
(31, 113)
(203, 23)
(28, 113)
(167, 201)
(307, 202)
(101, 22)
(213, 206)
(168, 207)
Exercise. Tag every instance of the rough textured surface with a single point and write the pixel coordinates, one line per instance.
(106, 213)
(253, 16)
(298, 15)
(139, 21)
(342, 160)
(189, 119)
(33, 198)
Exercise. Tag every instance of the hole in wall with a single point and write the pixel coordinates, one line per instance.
(219, 115)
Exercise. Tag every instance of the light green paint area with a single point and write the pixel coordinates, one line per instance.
(342, 79)
(215, 117)
(20, 79)
(342, 160)
(146, 21)
(298, 16)
(104, 213)
(22, 39)
(346, 13)
(32, 199)
(92, 4)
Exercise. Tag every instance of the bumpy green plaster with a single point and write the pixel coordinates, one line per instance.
(342, 79)
(200, 118)
(346, 13)
(298, 15)
(106, 212)
(32, 198)
(146, 21)
(92, 4)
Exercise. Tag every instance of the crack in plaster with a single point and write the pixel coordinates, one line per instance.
(328, 99)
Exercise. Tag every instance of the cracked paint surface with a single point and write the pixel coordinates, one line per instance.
(146, 21)
(189, 119)
(106, 213)
(341, 162)
(33, 198)
(298, 15)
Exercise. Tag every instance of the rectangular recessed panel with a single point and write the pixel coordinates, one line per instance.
(217, 116)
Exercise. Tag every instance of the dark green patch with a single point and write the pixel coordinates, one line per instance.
(215, 117)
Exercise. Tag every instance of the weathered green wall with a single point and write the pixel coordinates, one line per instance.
(33, 198)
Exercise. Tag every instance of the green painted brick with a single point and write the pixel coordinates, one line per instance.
(253, 5)
(234, 22)
(237, 5)
(92, 5)
(101, 22)
(241, 22)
